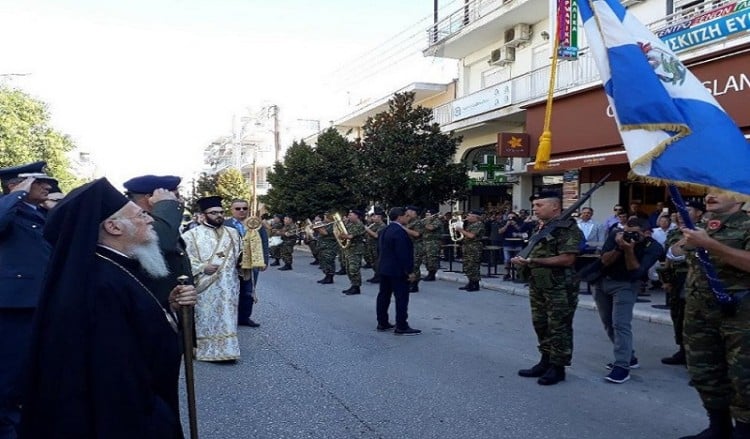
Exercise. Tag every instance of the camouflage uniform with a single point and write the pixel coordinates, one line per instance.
(675, 274)
(418, 226)
(718, 345)
(353, 253)
(472, 250)
(327, 250)
(288, 239)
(432, 239)
(276, 230)
(313, 244)
(371, 248)
(553, 294)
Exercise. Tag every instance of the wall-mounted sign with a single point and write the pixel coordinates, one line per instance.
(482, 101)
(513, 145)
(705, 28)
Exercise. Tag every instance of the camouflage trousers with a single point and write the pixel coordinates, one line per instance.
(354, 264)
(432, 254)
(327, 257)
(313, 244)
(676, 302)
(553, 305)
(472, 261)
(287, 248)
(418, 258)
(371, 252)
(718, 353)
(275, 251)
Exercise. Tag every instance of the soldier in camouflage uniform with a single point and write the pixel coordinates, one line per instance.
(553, 292)
(373, 232)
(328, 247)
(288, 239)
(433, 234)
(277, 224)
(415, 230)
(673, 277)
(717, 339)
(473, 232)
(312, 243)
(353, 253)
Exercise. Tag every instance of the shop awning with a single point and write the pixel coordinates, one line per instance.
(611, 156)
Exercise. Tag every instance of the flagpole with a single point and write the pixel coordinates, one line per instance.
(727, 303)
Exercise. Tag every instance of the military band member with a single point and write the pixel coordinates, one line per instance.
(312, 242)
(553, 290)
(327, 249)
(433, 230)
(415, 230)
(373, 233)
(354, 252)
(717, 338)
(277, 224)
(473, 232)
(288, 239)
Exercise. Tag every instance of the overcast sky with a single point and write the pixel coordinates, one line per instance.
(144, 85)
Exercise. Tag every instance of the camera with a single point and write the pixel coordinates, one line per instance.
(631, 236)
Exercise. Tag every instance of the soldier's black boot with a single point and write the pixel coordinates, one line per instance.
(326, 280)
(677, 359)
(374, 280)
(554, 375)
(536, 370)
(351, 291)
(465, 287)
(430, 276)
(719, 426)
(741, 430)
(473, 286)
(275, 263)
(414, 287)
(286, 267)
(315, 262)
(340, 272)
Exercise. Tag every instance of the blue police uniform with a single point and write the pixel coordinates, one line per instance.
(24, 254)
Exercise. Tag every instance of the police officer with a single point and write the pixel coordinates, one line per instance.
(23, 259)
(158, 195)
(717, 338)
(473, 231)
(553, 291)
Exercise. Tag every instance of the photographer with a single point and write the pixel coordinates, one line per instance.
(625, 260)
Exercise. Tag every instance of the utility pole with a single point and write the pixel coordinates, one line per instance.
(276, 139)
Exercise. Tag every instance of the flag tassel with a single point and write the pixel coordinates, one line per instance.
(544, 151)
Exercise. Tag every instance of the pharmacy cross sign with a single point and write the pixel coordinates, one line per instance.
(489, 167)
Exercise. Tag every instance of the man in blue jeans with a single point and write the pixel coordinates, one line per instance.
(624, 263)
(240, 210)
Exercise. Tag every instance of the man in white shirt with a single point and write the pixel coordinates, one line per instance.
(664, 225)
(593, 232)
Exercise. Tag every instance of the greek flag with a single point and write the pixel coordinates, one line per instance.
(673, 130)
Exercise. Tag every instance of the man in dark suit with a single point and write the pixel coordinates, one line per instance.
(158, 195)
(395, 269)
(238, 221)
(23, 258)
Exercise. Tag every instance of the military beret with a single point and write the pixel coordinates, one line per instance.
(35, 170)
(696, 205)
(358, 212)
(396, 212)
(541, 195)
(147, 184)
(279, 216)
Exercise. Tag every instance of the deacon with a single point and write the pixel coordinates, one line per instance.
(214, 250)
(158, 196)
(23, 257)
(105, 355)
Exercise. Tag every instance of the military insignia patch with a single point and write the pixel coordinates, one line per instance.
(714, 225)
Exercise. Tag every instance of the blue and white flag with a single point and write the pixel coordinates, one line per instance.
(673, 130)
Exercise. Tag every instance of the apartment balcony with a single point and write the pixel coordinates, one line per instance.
(501, 98)
(480, 23)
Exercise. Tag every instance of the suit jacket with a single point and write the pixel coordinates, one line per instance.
(396, 251)
(24, 253)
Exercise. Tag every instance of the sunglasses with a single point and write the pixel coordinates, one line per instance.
(240, 208)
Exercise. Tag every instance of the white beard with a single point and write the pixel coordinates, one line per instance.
(150, 257)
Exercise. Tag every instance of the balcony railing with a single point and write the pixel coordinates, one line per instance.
(455, 22)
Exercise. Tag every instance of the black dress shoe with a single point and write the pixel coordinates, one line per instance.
(386, 327)
(407, 331)
(286, 267)
(250, 323)
(554, 375)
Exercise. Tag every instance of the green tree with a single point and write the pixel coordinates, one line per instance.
(409, 160)
(204, 186)
(230, 184)
(315, 180)
(26, 136)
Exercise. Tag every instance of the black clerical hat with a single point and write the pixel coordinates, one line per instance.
(206, 203)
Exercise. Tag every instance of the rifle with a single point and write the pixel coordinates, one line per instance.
(551, 226)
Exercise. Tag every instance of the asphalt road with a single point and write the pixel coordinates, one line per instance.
(317, 368)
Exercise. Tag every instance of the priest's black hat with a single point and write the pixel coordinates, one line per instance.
(206, 203)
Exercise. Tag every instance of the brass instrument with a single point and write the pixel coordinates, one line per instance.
(339, 229)
(456, 222)
(309, 232)
(319, 224)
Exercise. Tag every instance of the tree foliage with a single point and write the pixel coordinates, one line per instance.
(230, 184)
(204, 186)
(409, 160)
(26, 136)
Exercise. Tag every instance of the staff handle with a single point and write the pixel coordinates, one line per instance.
(186, 312)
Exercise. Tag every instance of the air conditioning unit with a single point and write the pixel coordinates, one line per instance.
(502, 56)
(517, 35)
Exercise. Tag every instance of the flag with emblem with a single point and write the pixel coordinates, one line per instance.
(673, 130)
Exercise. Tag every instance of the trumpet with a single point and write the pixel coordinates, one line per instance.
(339, 229)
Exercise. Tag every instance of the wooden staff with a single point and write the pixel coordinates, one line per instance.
(187, 340)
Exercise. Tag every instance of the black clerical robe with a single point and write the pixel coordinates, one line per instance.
(114, 378)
